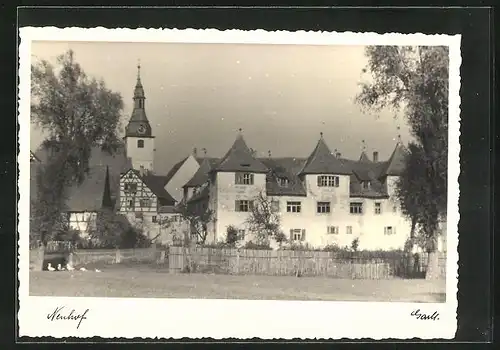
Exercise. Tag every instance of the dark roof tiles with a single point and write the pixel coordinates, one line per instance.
(240, 158)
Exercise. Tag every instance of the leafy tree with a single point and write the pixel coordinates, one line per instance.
(77, 113)
(414, 80)
(264, 219)
(232, 235)
(198, 216)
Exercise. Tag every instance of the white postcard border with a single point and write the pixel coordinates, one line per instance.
(242, 319)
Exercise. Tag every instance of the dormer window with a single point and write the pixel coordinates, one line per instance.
(140, 143)
(243, 179)
(283, 182)
(366, 185)
(328, 181)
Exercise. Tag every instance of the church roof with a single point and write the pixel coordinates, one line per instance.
(240, 158)
(323, 161)
(396, 163)
(138, 125)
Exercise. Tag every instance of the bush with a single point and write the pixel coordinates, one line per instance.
(218, 245)
(255, 246)
(232, 235)
(355, 244)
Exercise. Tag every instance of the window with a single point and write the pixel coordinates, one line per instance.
(140, 143)
(283, 182)
(323, 208)
(348, 230)
(356, 208)
(139, 216)
(297, 234)
(275, 206)
(243, 178)
(145, 203)
(389, 230)
(328, 181)
(130, 203)
(293, 207)
(378, 208)
(333, 230)
(141, 103)
(130, 175)
(243, 205)
(154, 219)
(241, 234)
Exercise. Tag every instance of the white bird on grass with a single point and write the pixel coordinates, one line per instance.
(83, 269)
(97, 270)
(59, 267)
(69, 267)
(50, 268)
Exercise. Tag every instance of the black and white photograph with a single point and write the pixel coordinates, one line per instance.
(285, 176)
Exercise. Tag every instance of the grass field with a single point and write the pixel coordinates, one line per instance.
(148, 282)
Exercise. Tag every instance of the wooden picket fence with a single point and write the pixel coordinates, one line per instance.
(277, 263)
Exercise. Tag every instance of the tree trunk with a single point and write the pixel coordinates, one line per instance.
(432, 272)
(40, 257)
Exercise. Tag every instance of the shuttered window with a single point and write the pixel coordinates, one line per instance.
(297, 234)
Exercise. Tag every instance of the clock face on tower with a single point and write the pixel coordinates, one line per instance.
(141, 129)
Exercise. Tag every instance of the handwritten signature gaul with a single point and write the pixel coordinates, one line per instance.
(422, 316)
(57, 315)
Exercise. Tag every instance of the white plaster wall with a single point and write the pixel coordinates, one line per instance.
(227, 192)
(82, 222)
(181, 177)
(141, 156)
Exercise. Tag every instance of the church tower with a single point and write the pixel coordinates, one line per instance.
(139, 140)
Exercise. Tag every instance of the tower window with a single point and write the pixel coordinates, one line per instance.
(140, 143)
(141, 104)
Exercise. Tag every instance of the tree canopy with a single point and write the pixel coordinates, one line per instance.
(414, 81)
(78, 113)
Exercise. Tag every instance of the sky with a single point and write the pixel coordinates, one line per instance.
(199, 95)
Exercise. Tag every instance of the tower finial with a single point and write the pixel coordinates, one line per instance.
(138, 69)
(321, 134)
(364, 145)
(269, 153)
(240, 130)
(399, 134)
(204, 151)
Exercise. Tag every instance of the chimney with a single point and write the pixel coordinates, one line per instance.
(375, 156)
(338, 154)
(195, 152)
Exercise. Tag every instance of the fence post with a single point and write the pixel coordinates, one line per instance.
(118, 257)
(237, 261)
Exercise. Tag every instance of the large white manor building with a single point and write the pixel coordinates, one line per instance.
(322, 199)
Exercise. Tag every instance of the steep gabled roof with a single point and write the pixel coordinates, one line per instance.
(396, 163)
(284, 168)
(240, 158)
(201, 176)
(174, 170)
(322, 161)
(88, 196)
(156, 184)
